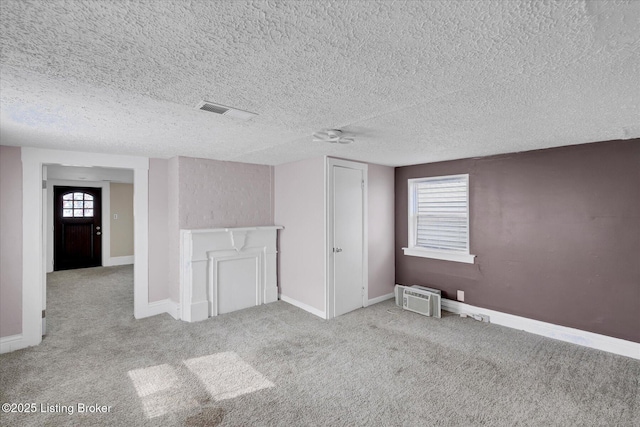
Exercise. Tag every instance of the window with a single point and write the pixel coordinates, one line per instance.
(77, 205)
(439, 218)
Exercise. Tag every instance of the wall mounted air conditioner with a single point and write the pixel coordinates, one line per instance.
(400, 288)
(399, 293)
(419, 299)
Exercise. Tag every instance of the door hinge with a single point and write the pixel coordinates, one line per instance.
(44, 184)
(362, 184)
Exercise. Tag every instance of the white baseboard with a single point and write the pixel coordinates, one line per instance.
(12, 343)
(303, 306)
(162, 306)
(380, 299)
(549, 330)
(198, 311)
(119, 260)
(173, 309)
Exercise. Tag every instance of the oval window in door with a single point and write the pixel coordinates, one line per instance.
(77, 205)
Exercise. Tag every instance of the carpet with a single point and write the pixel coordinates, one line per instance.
(277, 365)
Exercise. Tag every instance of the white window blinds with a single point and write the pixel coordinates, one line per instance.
(439, 213)
(442, 214)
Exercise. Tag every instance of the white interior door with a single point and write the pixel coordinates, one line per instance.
(348, 239)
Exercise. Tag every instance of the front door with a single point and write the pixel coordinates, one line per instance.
(348, 239)
(77, 227)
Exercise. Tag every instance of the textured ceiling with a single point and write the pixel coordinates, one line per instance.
(414, 81)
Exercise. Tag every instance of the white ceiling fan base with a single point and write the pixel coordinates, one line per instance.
(331, 135)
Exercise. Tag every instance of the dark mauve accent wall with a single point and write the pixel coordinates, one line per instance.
(556, 233)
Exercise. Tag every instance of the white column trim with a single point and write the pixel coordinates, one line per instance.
(141, 239)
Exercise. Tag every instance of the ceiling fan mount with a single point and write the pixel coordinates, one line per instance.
(332, 136)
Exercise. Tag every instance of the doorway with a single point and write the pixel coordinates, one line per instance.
(35, 236)
(347, 284)
(77, 227)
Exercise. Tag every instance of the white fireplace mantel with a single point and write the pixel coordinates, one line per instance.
(226, 269)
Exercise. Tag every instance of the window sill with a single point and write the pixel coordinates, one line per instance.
(446, 256)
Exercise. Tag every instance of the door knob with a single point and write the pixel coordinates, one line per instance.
(337, 249)
(98, 233)
(98, 228)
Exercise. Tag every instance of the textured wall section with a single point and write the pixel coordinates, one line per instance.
(121, 228)
(381, 230)
(556, 233)
(158, 230)
(204, 193)
(10, 241)
(223, 194)
(299, 207)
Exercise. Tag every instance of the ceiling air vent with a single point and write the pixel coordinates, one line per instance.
(225, 111)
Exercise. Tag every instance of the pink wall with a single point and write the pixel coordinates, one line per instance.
(10, 241)
(158, 230)
(173, 228)
(299, 207)
(381, 230)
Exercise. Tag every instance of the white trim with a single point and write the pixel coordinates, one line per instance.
(412, 249)
(105, 211)
(12, 343)
(303, 306)
(381, 299)
(328, 228)
(549, 330)
(173, 308)
(325, 224)
(185, 276)
(201, 252)
(118, 260)
(219, 256)
(447, 256)
(34, 239)
(140, 237)
(365, 235)
(163, 306)
(198, 311)
(234, 229)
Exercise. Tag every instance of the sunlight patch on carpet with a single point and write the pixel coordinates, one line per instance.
(160, 390)
(226, 375)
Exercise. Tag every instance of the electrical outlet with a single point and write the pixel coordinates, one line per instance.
(461, 296)
(115, 216)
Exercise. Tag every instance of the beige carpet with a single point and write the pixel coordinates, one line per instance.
(278, 365)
